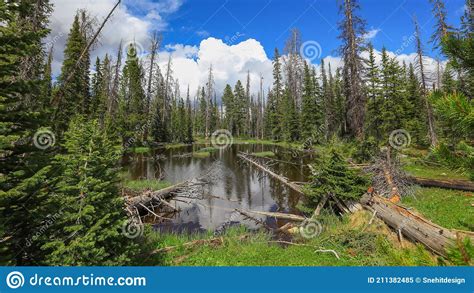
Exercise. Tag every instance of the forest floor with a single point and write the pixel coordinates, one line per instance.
(355, 242)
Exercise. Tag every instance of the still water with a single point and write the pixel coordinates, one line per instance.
(232, 185)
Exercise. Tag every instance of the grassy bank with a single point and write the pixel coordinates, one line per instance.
(448, 208)
(351, 238)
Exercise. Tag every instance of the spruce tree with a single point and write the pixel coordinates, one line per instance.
(73, 81)
(132, 97)
(88, 230)
(189, 120)
(310, 116)
(24, 175)
(277, 96)
(374, 104)
(332, 177)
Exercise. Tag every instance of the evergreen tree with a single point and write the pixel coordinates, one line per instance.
(310, 110)
(394, 106)
(24, 175)
(416, 114)
(277, 97)
(73, 81)
(132, 97)
(289, 121)
(374, 105)
(238, 109)
(332, 177)
(91, 217)
(449, 84)
(189, 120)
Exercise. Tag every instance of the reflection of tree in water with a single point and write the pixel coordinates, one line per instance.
(232, 184)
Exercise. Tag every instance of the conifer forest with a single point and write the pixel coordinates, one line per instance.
(110, 157)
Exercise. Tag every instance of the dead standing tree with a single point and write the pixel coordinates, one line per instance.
(352, 31)
(421, 69)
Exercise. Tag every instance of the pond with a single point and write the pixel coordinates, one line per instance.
(233, 184)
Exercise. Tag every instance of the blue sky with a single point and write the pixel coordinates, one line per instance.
(239, 36)
(269, 21)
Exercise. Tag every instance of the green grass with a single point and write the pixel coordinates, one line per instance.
(201, 155)
(141, 185)
(207, 150)
(355, 247)
(140, 150)
(448, 208)
(175, 145)
(264, 154)
(432, 172)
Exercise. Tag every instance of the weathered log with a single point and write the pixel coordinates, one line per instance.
(150, 195)
(320, 206)
(443, 183)
(411, 225)
(276, 215)
(394, 192)
(280, 178)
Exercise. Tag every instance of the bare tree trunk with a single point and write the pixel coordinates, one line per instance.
(429, 110)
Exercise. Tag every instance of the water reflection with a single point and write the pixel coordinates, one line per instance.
(233, 185)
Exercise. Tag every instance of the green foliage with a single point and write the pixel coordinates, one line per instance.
(461, 253)
(366, 150)
(332, 176)
(456, 113)
(88, 229)
(264, 154)
(311, 116)
(24, 173)
(73, 96)
(132, 100)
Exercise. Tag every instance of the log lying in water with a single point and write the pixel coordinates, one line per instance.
(158, 194)
(411, 225)
(346, 206)
(444, 183)
(280, 178)
(276, 215)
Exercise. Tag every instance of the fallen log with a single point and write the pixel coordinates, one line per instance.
(411, 225)
(345, 206)
(150, 195)
(443, 183)
(282, 216)
(280, 178)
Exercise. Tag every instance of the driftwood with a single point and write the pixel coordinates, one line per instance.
(443, 183)
(283, 216)
(150, 195)
(280, 178)
(345, 206)
(412, 225)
